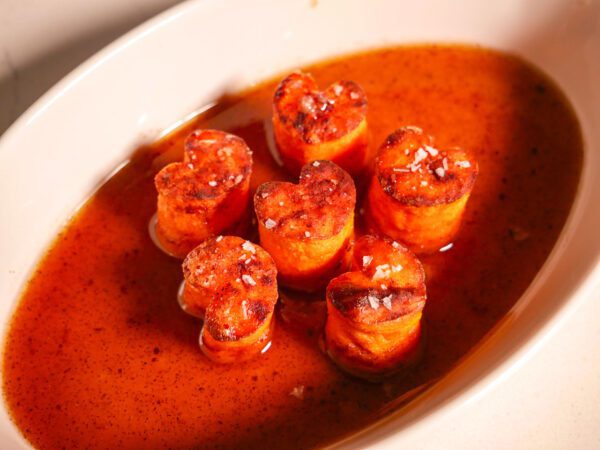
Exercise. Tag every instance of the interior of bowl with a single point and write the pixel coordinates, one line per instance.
(53, 158)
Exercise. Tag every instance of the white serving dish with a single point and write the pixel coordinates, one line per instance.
(62, 148)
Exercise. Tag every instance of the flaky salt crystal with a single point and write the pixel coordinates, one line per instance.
(432, 151)
(373, 301)
(248, 280)
(420, 155)
(387, 302)
(381, 271)
(307, 104)
(247, 245)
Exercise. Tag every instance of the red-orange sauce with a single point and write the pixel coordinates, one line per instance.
(99, 354)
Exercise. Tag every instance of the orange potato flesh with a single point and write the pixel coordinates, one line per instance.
(229, 352)
(233, 283)
(206, 194)
(418, 193)
(374, 312)
(307, 227)
(311, 125)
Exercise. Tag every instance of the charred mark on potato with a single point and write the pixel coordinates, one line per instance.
(205, 194)
(374, 311)
(320, 203)
(232, 282)
(398, 301)
(418, 192)
(306, 227)
(310, 124)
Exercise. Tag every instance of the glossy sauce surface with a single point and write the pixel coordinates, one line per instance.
(99, 354)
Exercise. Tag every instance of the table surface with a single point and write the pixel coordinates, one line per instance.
(551, 402)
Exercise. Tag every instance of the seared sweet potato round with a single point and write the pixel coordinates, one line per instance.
(418, 192)
(306, 227)
(413, 172)
(310, 124)
(387, 281)
(374, 312)
(315, 116)
(205, 194)
(235, 282)
(316, 208)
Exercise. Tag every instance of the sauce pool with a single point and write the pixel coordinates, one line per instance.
(99, 354)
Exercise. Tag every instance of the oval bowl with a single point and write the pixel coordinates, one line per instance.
(145, 83)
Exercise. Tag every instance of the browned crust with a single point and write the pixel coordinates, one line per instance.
(352, 301)
(241, 280)
(316, 208)
(377, 291)
(407, 170)
(214, 163)
(314, 116)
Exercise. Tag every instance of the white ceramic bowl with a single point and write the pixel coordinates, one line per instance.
(64, 146)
